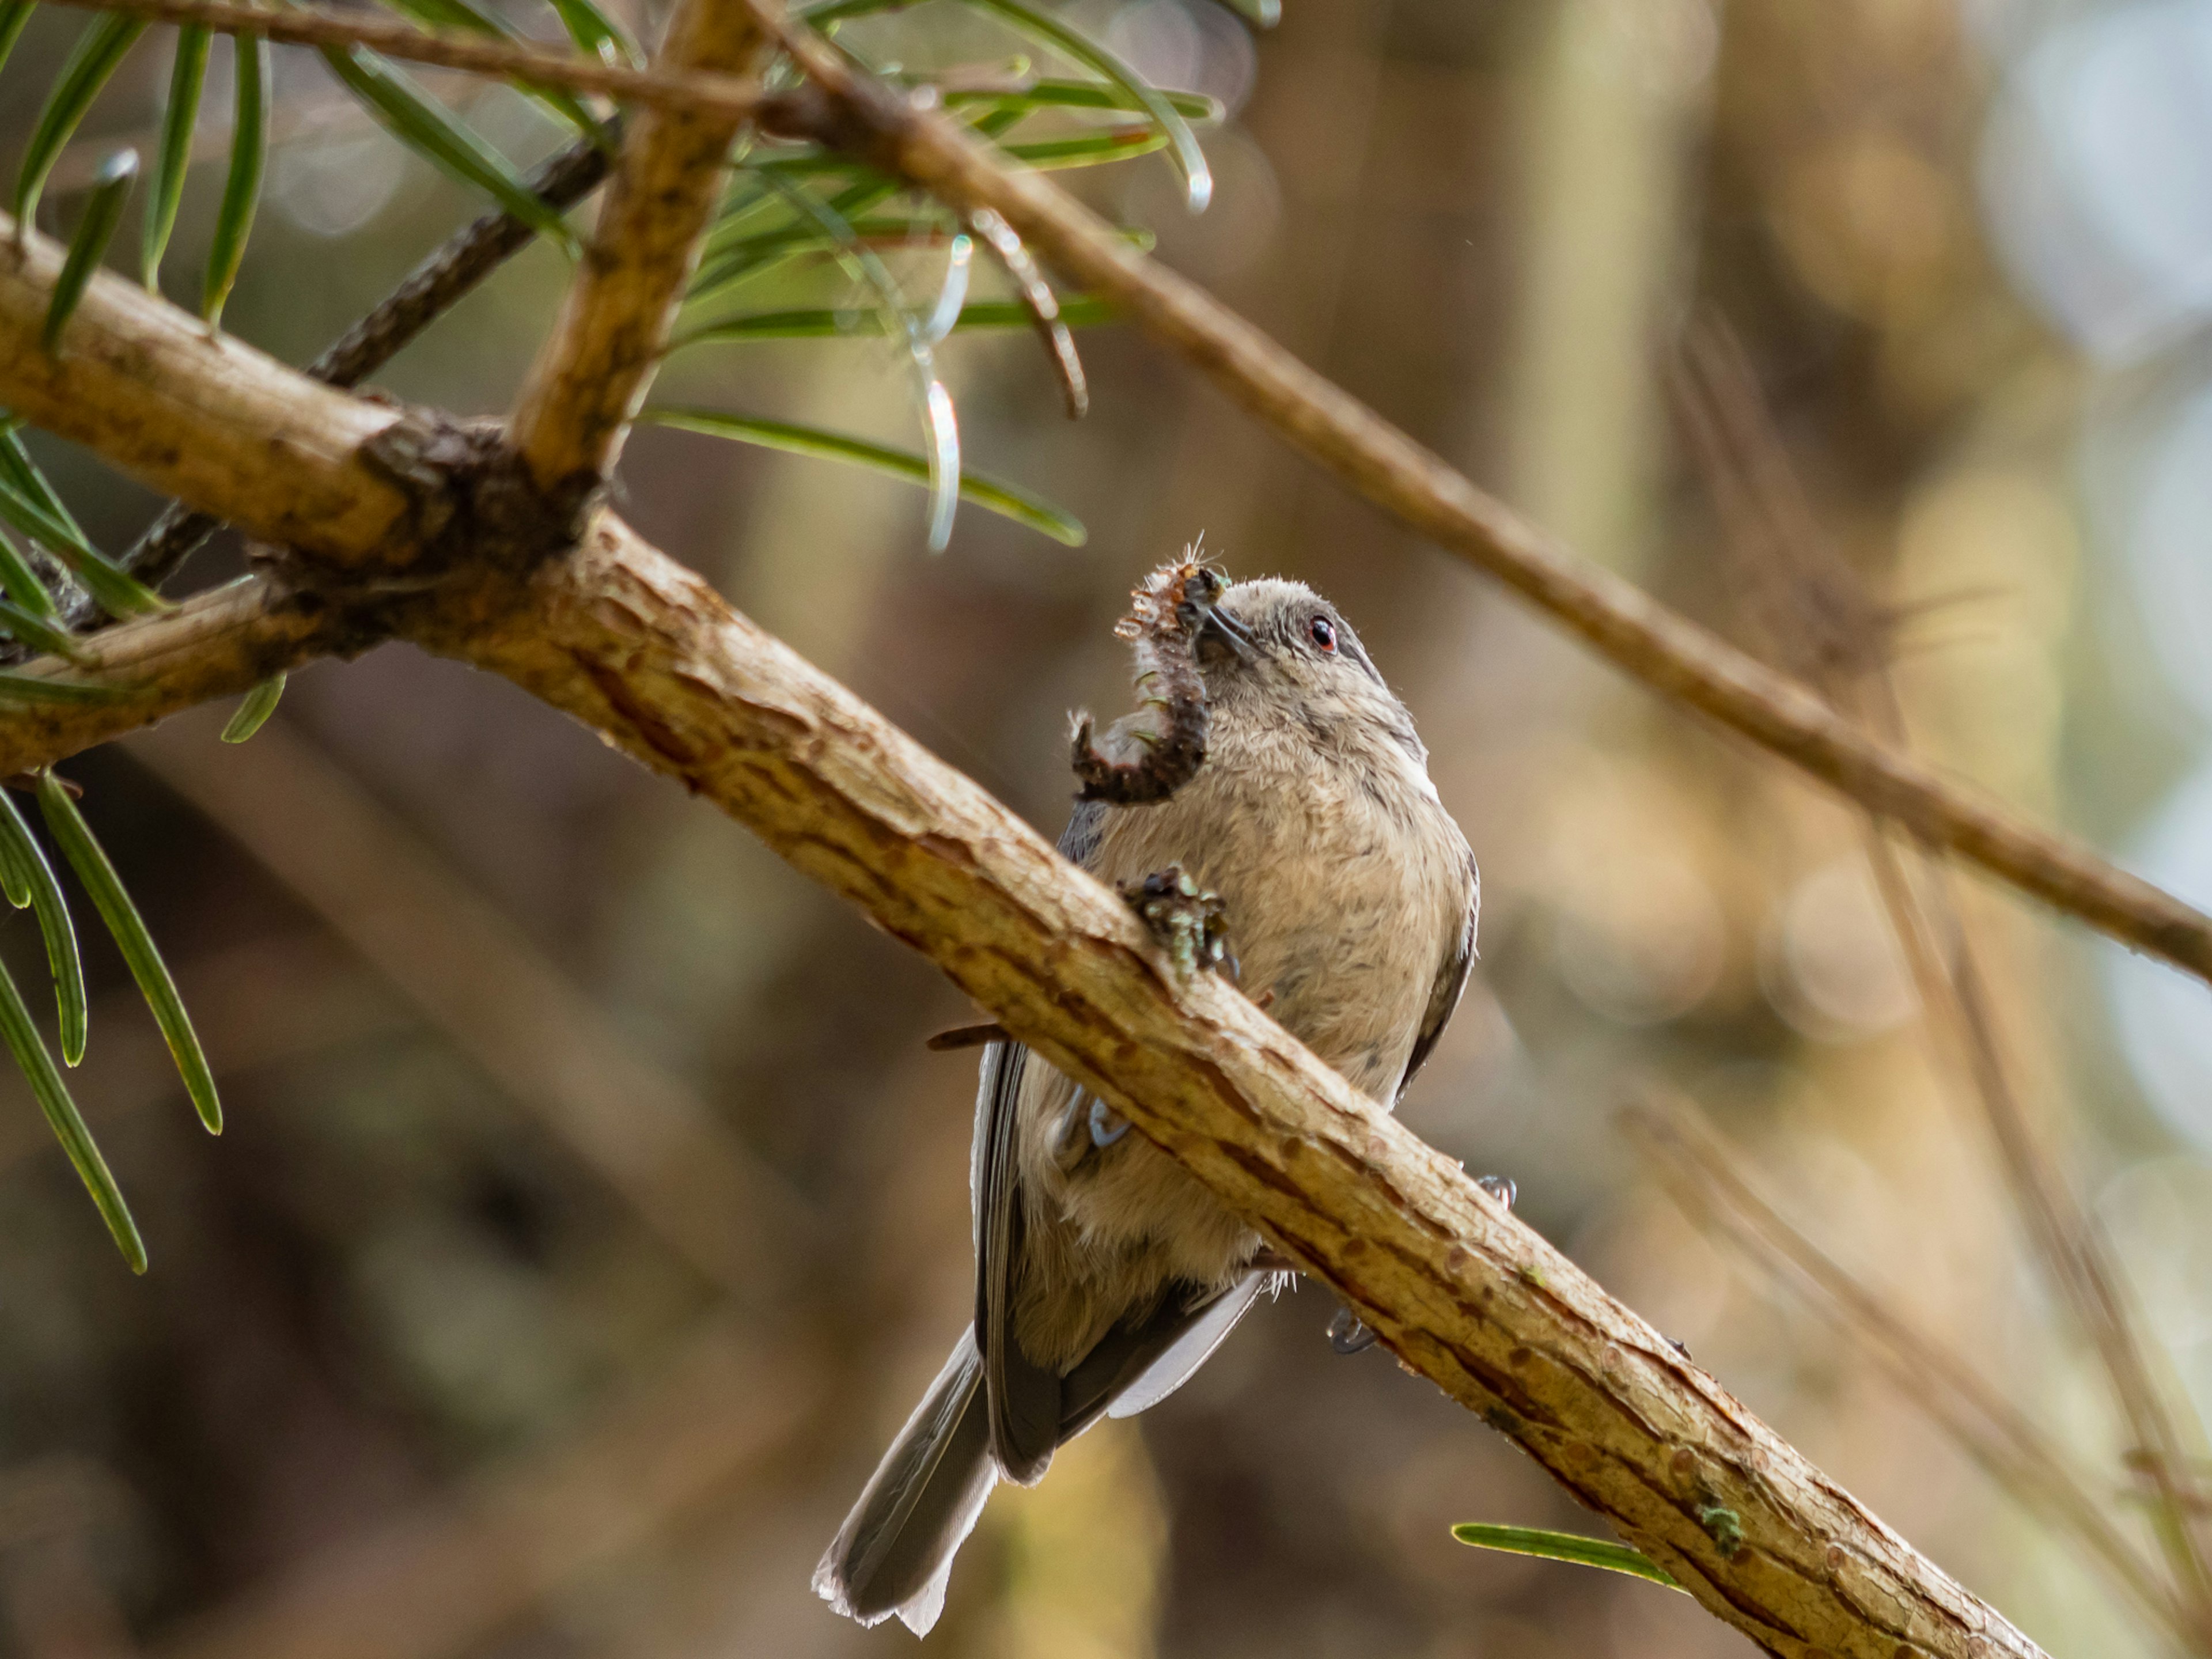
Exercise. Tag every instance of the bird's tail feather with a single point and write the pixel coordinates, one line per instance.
(895, 1551)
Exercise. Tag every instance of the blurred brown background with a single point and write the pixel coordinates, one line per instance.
(590, 1214)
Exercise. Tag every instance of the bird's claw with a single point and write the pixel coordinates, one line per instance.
(1191, 924)
(1349, 1333)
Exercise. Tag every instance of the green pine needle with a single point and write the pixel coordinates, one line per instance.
(991, 493)
(241, 184)
(1081, 312)
(20, 583)
(1567, 1547)
(33, 688)
(28, 861)
(260, 703)
(1079, 95)
(598, 34)
(28, 502)
(40, 633)
(53, 1096)
(462, 18)
(74, 837)
(173, 157)
(1079, 48)
(102, 46)
(103, 211)
(426, 126)
(14, 15)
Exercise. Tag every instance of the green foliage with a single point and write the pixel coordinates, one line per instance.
(37, 1065)
(1080, 311)
(74, 837)
(31, 875)
(1564, 1547)
(597, 34)
(994, 494)
(429, 128)
(932, 400)
(103, 211)
(28, 502)
(241, 186)
(98, 50)
(40, 633)
(172, 155)
(259, 704)
(14, 16)
(463, 18)
(1072, 42)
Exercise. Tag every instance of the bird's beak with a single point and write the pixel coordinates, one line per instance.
(1232, 632)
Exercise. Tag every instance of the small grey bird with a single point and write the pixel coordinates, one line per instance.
(1105, 1272)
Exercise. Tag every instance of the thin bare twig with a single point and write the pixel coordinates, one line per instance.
(1827, 630)
(1675, 656)
(1705, 1181)
(688, 86)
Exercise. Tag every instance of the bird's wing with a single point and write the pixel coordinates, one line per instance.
(1024, 1399)
(1173, 1347)
(1451, 983)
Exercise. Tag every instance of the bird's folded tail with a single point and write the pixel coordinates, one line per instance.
(895, 1551)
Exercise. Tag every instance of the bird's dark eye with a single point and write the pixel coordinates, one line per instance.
(1323, 633)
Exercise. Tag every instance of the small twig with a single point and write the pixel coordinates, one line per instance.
(1040, 301)
(574, 411)
(1164, 619)
(673, 87)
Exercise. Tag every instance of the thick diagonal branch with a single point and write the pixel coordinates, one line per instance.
(207, 418)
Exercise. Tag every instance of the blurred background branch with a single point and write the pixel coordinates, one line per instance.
(1830, 634)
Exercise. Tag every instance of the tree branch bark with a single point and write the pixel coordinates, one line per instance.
(193, 414)
(429, 291)
(217, 644)
(590, 376)
(695, 87)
